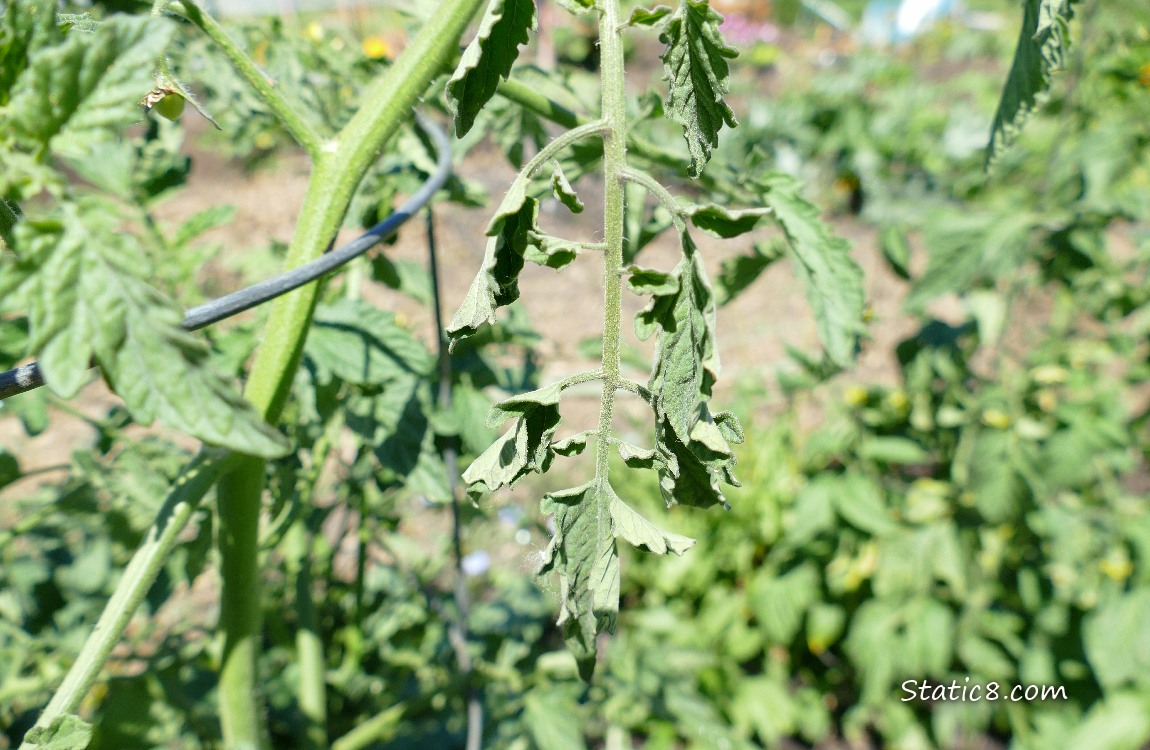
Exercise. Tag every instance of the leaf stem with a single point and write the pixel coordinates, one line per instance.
(552, 149)
(639, 390)
(288, 112)
(530, 99)
(614, 108)
(139, 575)
(639, 177)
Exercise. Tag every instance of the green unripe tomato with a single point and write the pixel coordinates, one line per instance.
(170, 107)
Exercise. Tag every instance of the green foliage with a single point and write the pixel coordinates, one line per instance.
(488, 58)
(692, 453)
(695, 63)
(980, 520)
(1041, 52)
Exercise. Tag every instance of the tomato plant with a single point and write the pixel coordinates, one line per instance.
(83, 277)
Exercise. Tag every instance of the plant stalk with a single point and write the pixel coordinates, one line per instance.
(614, 112)
(338, 168)
(151, 556)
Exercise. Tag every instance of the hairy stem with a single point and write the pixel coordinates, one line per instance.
(289, 113)
(338, 168)
(614, 163)
(151, 556)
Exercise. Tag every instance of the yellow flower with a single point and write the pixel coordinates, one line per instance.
(376, 48)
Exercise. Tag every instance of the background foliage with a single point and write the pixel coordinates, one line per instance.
(978, 510)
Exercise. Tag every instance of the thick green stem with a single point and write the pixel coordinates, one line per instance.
(614, 164)
(241, 620)
(338, 168)
(151, 556)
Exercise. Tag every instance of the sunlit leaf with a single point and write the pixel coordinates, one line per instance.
(488, 58)
(1041, 51)
(695, 62)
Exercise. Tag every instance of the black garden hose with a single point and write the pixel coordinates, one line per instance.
(28, 377)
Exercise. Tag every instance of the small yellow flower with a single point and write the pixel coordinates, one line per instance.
(376, 48)
(855, 395)
(314, 32)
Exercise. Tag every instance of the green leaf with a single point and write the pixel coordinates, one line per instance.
(573, 445)
(895, 249)
(80, 278)
(488, 58)
(9, 468)
(563, 191)
(1121, 620)
(1120, 721)
(972, 247)
(201, 222)
(577, 7)
(833, 281)
(363, 345)
(86, 88)
(554, 720)
(404, 276)
(692, 452)
(24, 26)
(497, 283)
(66, 732)
(695, 62)
(1041, 51)
(723, 222)
(648, 17)
(582, 553)
(740, 272)
(525, 448)
(545, 250)
(860, 502)
(640, 532)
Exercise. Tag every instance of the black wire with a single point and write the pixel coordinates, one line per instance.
(28, 377)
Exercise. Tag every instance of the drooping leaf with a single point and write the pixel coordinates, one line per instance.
(724, 222)
(692, 452)
(563, 191)
(488, 58)
(497, 283)
(81, 281)
(524, 448)
(648, 16)
(740, 272)
(632, 527)
(77, 92)
(545, 250)
(833, 281)
(582, 553)
(695, 62)
(1041, 51)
